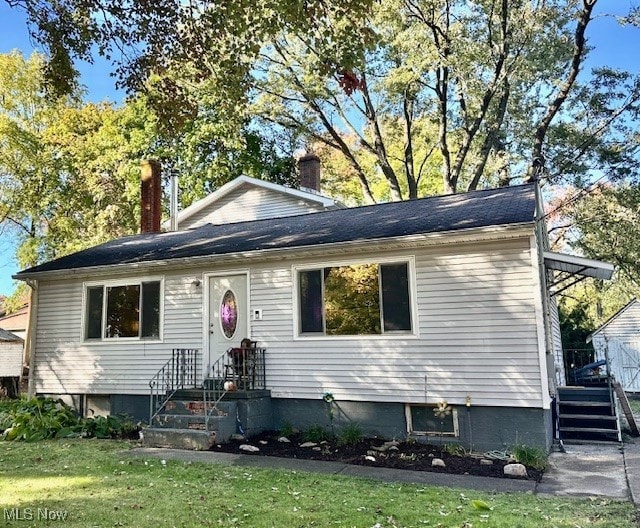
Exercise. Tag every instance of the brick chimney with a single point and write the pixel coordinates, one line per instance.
(150, 197)
(309, 170)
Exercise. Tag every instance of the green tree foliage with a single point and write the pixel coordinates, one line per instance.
(213, 39)
(69, 172)
(352, 303)
(444, 95)
(609, 228)
(455, 95)
(601, 223)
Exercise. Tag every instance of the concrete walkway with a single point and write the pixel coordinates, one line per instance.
(586, 470)
(602, 470)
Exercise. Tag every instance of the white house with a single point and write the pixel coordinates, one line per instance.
(391, 308)
(11, 348)
(618, 340)
(10, 354)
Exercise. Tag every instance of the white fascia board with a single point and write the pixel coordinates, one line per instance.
(578, 265)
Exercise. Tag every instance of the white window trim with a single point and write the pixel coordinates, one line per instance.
(413, 303)
(409, 418)
(120, 282)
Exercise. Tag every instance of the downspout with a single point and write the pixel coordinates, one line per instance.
(543, 245)
(30, 344)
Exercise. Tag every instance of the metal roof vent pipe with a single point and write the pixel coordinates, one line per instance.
(150, 197)
(173, 204)
(309, 171)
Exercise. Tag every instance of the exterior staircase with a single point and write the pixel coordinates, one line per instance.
(187, 412)
(587, 413)
(182, 422)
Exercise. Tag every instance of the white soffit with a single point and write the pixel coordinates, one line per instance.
(573, 265)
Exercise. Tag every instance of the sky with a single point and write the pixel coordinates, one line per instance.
(614, 46)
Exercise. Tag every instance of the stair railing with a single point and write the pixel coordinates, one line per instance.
(610, 380)
(214, 387)
(238, 369)
(181, 371)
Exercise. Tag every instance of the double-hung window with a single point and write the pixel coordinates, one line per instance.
(129, 309)
(359, 299)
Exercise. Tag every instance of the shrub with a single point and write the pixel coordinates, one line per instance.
(41, 418)
(316, 433)
(455, 450)
(533, 457)
(350, 435)
(286, 429)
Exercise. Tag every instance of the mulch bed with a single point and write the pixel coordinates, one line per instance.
(412, 456)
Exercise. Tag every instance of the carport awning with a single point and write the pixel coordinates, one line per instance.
(571, 269)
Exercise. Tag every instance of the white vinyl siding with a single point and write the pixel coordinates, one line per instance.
(67, 364)
(249, 203)
(11, 358)
(619, 340)
(476, 334)
(556, 338)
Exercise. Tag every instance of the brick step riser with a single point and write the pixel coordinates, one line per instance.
(192, 408)
(168, 421)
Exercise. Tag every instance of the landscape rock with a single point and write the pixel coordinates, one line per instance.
(486, 462)
(284, 440)
(438, 462)
(237, 437)
(263, 442)
(249, 448)
(308, 444)
(387, 446)
(370, 458)
(515, 470)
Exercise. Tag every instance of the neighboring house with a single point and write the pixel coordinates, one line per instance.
(10, 355)
(618, 340)
(391, 308)
(16, 322)
(11, 349)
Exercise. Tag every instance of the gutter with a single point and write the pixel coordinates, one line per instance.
(406, 241)
(30, 344)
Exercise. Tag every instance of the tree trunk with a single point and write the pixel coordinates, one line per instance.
(537, 156)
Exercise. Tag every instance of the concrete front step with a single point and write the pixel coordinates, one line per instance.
(182, 415)
(179, 438)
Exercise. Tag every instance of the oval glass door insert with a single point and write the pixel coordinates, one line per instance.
(229, 314)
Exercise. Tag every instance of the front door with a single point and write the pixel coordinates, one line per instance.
(228, 312)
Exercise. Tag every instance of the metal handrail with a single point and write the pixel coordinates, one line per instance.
(237, 369)
(214, 388)
(181, 371)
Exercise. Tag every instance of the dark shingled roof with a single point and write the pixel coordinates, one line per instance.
(477, 209)
(8, 337)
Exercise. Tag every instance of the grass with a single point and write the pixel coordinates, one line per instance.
(634, 403)
(95, 484)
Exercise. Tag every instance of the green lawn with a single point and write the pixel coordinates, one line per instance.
(91, 483)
